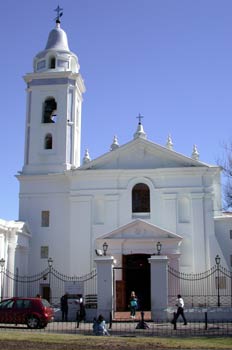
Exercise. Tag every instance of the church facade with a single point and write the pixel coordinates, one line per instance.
(132, 198)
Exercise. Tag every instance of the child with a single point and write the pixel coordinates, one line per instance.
(133, 304)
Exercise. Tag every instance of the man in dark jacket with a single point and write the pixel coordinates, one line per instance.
(64, 307)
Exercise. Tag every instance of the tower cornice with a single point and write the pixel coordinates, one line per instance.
(66, 77)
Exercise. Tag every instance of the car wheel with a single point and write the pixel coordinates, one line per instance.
(43, 325)
(33, 322)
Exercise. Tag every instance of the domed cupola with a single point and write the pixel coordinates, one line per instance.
(57, 55)
(57, 39)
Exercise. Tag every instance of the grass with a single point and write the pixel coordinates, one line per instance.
(28, 340)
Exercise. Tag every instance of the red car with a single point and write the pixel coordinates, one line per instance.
(34, 312)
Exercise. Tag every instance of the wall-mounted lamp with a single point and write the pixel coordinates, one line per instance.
(50, 262)
(217, 259)
(158, 247)
(105, 247)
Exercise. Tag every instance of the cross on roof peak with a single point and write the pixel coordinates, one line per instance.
(140, 117)
(59, 12)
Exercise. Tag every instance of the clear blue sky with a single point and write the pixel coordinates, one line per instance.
(170, 60)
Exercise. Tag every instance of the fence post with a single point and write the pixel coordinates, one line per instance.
(206, 321)
(104, 285)
(110, 321)
(2, 265)
(159, 286)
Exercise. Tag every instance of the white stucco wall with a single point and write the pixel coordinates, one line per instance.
(86, 204)
(223, 235)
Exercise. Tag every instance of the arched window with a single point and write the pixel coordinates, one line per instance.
(141, 198)
(49, 110)
(48, 141)
(52, 63)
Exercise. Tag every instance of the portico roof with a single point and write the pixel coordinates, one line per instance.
(139, 236)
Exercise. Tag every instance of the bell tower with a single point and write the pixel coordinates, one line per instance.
(54, 103)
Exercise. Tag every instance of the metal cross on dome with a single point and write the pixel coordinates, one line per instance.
(139, 118)
(59, 12)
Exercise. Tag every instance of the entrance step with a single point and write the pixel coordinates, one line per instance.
(124, 316)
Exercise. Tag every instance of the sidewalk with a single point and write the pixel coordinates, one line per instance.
(129, 328)
(125, 316)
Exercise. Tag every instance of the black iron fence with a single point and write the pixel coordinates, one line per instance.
(132, 328)
(50, 284)
(208, 289)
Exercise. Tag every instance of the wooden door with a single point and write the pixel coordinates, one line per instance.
(120, 296)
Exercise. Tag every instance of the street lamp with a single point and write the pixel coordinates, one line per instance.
(217, 260)
(105, 247)
(50, 262)
(158, 247)
(2, 265)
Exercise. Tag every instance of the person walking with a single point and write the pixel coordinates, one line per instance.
(64, 307)
(80, 315)
(133, 304)
(180, 311)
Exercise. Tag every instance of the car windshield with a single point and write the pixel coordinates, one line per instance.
(45, 303)
(6, 304)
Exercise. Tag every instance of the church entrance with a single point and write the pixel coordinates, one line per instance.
(135, 277)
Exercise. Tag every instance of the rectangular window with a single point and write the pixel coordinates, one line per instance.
(45, 216)
(44, 252)
(231, 260)
(41, 64)
(230, 234)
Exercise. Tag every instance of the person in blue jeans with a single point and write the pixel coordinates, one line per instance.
(133, 304)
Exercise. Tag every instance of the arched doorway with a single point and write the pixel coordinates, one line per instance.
(135, 277)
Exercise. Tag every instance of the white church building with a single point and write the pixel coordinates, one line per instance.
(132, 197)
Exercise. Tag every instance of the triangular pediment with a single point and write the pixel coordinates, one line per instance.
(24, 228)
(141, 230)
(19, 227)
(142, 154)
